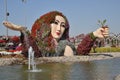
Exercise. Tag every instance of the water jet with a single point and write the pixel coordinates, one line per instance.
(31, 61)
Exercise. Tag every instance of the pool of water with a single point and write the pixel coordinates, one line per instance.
(93, 70)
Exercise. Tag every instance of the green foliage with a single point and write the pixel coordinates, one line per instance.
(102, 23)
(106, 49)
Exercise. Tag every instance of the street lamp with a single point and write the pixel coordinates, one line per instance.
(6, 15)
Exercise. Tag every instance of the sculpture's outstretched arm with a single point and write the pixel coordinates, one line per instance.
(13, 26)
(87, 43)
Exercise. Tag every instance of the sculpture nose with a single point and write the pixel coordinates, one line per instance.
(58, 27)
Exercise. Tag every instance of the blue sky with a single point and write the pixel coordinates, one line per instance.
(83, 15)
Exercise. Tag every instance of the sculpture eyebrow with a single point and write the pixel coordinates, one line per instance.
(57, 20)
(63, 23)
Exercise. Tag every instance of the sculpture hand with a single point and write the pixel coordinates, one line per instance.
(101, 32)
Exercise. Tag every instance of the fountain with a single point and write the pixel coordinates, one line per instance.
(31, 62)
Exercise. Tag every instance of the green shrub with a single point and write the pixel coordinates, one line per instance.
(106, 49)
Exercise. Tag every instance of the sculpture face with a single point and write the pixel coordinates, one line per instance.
(58, 27)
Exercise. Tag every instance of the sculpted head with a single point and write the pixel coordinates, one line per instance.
(55, 25)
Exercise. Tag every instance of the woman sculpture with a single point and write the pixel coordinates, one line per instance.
(49, 36)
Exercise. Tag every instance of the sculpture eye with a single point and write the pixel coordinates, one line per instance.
(55, 22)
(62, 25)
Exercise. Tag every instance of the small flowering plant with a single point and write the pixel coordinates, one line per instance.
(102, 23)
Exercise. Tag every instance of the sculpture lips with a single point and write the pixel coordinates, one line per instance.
(58, 33)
